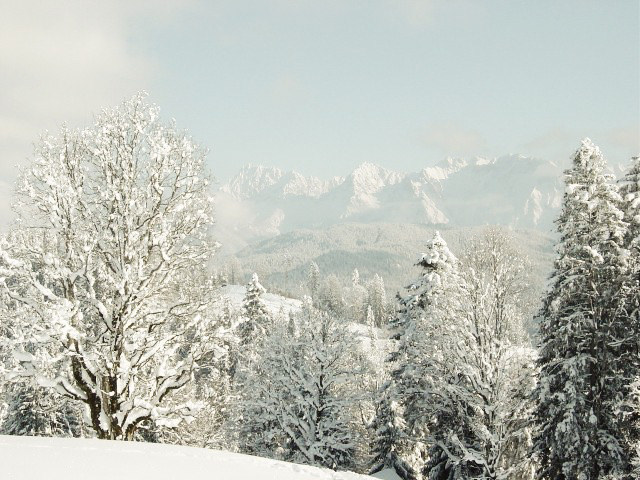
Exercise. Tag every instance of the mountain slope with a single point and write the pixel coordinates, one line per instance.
(388, 249)
(518, 191)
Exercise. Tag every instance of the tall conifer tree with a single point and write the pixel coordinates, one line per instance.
(583, 331)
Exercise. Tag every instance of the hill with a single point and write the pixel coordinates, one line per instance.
(388, 249)
(37, 458)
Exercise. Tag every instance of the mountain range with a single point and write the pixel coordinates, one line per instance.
(514, 190)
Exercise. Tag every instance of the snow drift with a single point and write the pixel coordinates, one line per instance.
(39, 458)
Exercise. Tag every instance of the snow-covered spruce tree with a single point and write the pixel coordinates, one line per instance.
(355, 299)
(431, 296)
(370, 322)
(113, 219)
(313, 279)
(255, 316)
(630, 193)
(633, 406)
(355, 277)
(387, 431)
(478, 372)
(300, 405)
(587, 341)
(35, 411)
(377, 299)
(254, 327)
(329, 297)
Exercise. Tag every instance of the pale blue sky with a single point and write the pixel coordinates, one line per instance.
(321, 86)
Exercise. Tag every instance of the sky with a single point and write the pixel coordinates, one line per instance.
(321, 87)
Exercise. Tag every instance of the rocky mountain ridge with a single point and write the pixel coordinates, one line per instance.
(513, 190)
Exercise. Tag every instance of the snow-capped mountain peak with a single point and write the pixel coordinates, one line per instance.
(296, 184)
(368, 178)
(443, 169)
(251, 180)
(510, 190)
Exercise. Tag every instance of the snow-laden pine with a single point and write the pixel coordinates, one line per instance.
(630, 193)
(588, 345)
(401, 423)
(478, 369)
(255, 323)
(457, 404)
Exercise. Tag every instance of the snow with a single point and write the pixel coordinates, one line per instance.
(39, 458)
(22, 356)
(512, 190)
(387, 474)
(533, 206)
(275, 304)
(252, 180)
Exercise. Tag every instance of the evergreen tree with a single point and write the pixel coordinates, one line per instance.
(256, 317)
(406, 452)
(630, 193)
(387, 430)
(355, 277)
(371, 327)
(313, 279)
(329, 297)
(634, 443)
(477, 374)
(585, 352)
(378, 299)
(34, 411)
(355, 298)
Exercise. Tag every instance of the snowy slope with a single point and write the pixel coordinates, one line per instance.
(387, 474)
(38, 458)
(513, 190)
(275, 304)
(389, 250)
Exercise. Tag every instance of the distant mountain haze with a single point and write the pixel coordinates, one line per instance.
(514, 190)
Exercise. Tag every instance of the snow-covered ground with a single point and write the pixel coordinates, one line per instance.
(38, 458)
(275, 304)
(387, 474)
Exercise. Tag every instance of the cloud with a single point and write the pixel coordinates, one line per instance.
(62, 62)
(551, 138)
(556, 144)
(627, 138)
(287, 86)
(454, 140)
(415, 12)
(559, 143)
(425, 13)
